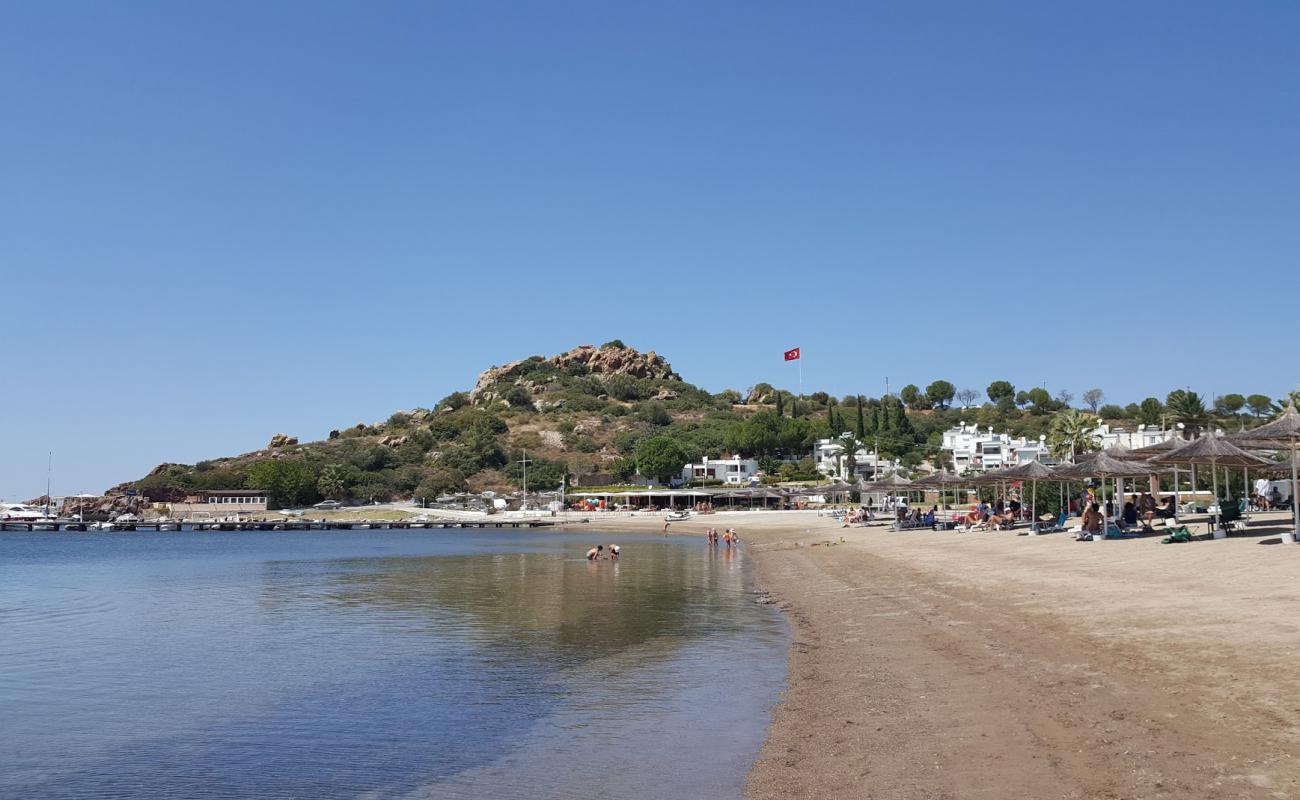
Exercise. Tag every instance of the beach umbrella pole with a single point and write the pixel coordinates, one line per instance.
(1295, 507)
(1214, 471)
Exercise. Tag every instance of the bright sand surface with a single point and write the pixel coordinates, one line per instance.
(989, 665)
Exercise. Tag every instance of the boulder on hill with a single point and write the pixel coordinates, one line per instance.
(281, 440)
(599, 362)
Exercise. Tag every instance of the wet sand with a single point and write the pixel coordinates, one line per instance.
(990, 665)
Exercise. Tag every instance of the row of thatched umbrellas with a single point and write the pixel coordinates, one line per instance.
(1282, 434)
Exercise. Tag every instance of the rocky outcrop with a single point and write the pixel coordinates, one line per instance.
(281, 440)
(599, 362)
(102, 509)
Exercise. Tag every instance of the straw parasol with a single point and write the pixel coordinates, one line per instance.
(1033, 472)
(1214, 451)
(1103, 466)
(1282, 433)
(888, 483)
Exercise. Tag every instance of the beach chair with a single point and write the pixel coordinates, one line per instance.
(1051, 527)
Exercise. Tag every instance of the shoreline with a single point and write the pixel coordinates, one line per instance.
(932, 664)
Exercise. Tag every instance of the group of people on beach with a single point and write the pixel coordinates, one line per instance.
(598, 552)
(729, 537)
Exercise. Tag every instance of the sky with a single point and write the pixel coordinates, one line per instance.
(222, 221)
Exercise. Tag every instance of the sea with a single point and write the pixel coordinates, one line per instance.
(380, 664)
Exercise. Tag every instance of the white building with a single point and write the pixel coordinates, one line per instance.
(979, 450)
(830, 461)
(1145, 435)
(727, 470)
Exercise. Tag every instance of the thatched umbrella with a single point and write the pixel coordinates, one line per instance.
(889, 485)
(1282, 433)
(1214, 451)
(1103, 466)
(1033, 472)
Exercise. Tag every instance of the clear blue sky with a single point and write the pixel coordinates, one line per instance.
(221, 221)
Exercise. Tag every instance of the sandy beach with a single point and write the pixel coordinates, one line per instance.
(990, 665)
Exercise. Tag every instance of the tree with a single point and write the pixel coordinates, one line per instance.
(330, 484)
(908, 394)
(1229, 405)
(861, 430)
(287, 482)
(1149, 412)
(1071, 433)
(1112, 411)
(998, 390)
(848, 446)
(1064, 397)
(1092, 399)
(1187, 407)
(660, 457)
(1259, 404)
(1023, 399)
(1040, 400)
(967, 397)
(655, 414)
(437, 482)
(780, 404)
(940, 393)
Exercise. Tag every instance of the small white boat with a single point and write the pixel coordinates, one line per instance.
(677, 516)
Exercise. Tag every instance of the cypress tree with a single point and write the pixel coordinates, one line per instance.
(780, 404)
(862, 423)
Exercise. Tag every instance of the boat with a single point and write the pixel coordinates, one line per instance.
(21, 512)
(677, 516)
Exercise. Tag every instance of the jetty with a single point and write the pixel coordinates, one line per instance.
(57, 526)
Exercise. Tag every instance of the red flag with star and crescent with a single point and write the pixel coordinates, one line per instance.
(792, 355)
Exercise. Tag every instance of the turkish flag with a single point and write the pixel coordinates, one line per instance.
(792, 355)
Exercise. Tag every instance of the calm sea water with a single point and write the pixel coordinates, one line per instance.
(402, 664)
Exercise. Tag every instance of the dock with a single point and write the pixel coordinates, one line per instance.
(59, 526)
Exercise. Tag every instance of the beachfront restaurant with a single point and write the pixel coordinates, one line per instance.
(221, 503)
(661, 499)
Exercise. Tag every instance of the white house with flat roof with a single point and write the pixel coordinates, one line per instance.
(979, 450)
(829, 458)
(1144, 436)
(727, 470)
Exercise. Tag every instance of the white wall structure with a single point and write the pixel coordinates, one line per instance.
(829, 458)
(1145, 435)
(975, 449)
(727, 470)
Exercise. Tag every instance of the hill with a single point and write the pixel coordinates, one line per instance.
(580, 413)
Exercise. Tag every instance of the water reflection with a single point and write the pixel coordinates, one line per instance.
(378, 665)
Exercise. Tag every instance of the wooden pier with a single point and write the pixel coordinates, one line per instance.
(57, 526)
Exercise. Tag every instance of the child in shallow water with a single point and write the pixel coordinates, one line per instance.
(614, 550)
(594, 553)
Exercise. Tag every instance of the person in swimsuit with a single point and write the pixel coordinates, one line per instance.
(594, 553)
(614, 550)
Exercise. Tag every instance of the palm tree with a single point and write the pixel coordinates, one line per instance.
(848, 445)
(1188, 408)
(1072, 432)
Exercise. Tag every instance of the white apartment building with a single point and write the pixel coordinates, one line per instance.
(829, 458)
(727, 470)
(1145, 435)
(979, 450)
